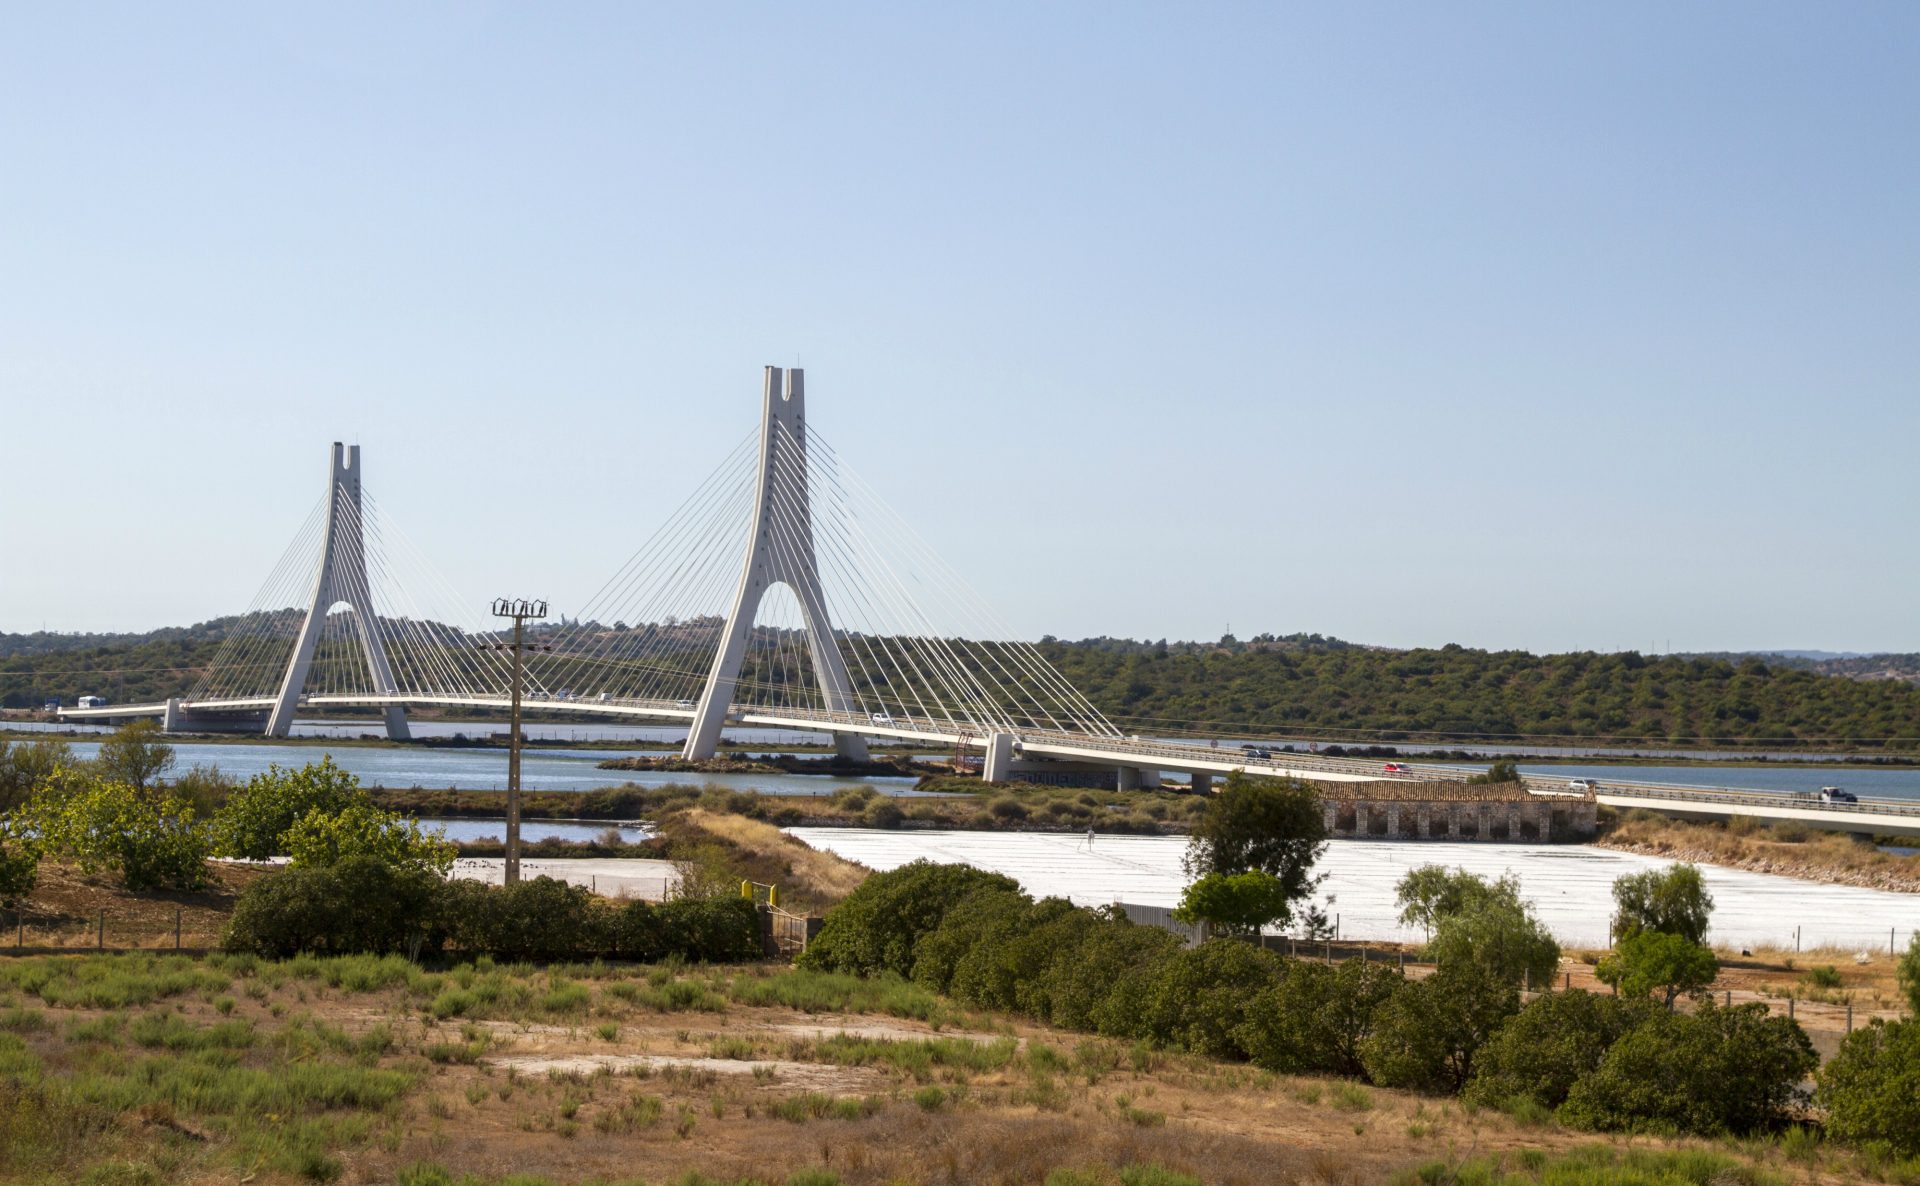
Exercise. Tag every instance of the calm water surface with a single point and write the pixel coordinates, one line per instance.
(486, 770)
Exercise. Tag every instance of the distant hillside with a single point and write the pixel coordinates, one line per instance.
(1896, 667)
(1458, 692)
(1850, 665)
(1295, 683)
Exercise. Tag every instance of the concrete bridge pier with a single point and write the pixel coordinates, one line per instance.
(1202, 783)
(999, 763)
(1133, 778)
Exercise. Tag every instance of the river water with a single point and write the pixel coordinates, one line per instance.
(1569, 885)
(576, 770)
(486, 769)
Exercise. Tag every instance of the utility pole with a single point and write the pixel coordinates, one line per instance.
(520, 610)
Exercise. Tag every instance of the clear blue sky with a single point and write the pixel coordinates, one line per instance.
(1509, 325)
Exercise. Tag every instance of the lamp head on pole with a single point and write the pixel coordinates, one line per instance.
(518, 607)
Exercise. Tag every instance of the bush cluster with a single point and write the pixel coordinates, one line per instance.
(1604, 1063)
(152, 839)
(364, 904)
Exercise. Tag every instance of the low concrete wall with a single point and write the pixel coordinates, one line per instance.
(1533, 822)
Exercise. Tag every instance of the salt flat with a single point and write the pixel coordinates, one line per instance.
(1570, 885)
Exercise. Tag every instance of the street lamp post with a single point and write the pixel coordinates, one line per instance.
(520, 610)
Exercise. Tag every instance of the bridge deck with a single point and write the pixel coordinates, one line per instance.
(1872, 817)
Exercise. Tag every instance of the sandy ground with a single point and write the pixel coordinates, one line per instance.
(613, 877)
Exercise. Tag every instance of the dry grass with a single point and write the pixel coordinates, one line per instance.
(1745, 844)
(742, 1088)
(819, 876)
(65, 907)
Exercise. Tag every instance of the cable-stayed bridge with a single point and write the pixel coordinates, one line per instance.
(782, 593)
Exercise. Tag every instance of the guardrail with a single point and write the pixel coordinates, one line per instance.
(940, 732)
(1648, 790)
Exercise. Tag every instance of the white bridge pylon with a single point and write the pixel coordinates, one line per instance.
(342, 578)
(780, 551)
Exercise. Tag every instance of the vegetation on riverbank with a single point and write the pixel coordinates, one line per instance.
(778, 763)
(1788, 849)
(948, 803)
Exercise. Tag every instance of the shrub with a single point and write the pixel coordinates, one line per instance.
(134, 754)
(1673, 901)
(1015, 970)
(363, 830)
(876, 928)
(366, 905)
(1432, 892)
(24, 765)
(1315, 1019)
(1008, 808)
(152, 840)
(1711, 1072)
(1501, 936)
(258, 814)
(1871, 1089)
(19, 865)
(974, 918)
(1195, 998)
(359, 904)
(1656, 961)
(1235, 903)
(1497, 773)
(539, 919)
(1908, 975)
(1427, 1035)
(883, 813)
(1544, 1049)
(717, 930)
(1088, 984)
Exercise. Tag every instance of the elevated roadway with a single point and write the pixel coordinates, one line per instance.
(1139, 761)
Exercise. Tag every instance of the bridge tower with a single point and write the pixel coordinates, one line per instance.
(781, 511)
(342, 578)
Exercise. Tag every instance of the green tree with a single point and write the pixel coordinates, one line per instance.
(1500, 935)
(254, 821)
(1236, 903)
(321, 839)
(1711, 1072)
(360, 904)
(204, 788)
(1085, 986)
(876, 928)
(1544, 1049)
(1268, 825)
(24, 765)
(19, 864)
(1871, 1088)
(1315, 1020)
(1427, 1036)
(1648, 962)
(1497, 773)
(152, 842)
(1908, 975)
(135, 755)
(1197, 997)
(990, 915)
(1673, 900)
(1433, 892)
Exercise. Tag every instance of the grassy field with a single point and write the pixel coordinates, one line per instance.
(160, 1068)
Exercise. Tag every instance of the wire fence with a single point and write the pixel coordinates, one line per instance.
(111, 930)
